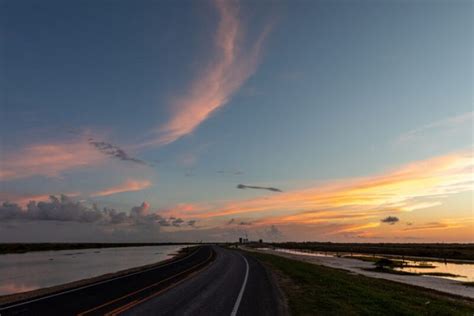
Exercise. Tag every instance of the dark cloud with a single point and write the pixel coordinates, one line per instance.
(64, 209)
(177, 222)
(114, 151)
(243, 186)
(233, 221)
(390, 220)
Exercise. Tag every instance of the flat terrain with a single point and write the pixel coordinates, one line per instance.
(110, 294)
(366, 268)
(436, 251)
(317, 290)
(209, 280)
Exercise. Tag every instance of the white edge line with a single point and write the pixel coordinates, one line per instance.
(90, 285)
(241, 293)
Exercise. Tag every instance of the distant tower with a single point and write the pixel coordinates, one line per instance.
(240, 240)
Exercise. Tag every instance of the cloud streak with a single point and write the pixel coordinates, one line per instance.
(231, 65)
(450, 123)
(114, 151)
(355, 205)
(243, 187)
(128, 186)
(48, 159)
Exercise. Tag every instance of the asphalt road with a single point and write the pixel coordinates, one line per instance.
(106, 296)
(234, 284)
(209, 281)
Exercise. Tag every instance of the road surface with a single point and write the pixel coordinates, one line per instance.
(234, 284)
(209, 281)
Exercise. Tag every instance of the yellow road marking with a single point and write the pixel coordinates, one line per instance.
(137, 291)
(136, 302)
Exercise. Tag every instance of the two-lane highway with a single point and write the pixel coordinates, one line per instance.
(209, 281)
(234, 284)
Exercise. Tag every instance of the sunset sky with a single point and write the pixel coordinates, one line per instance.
(341, 120)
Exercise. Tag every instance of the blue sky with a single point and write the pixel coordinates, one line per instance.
(306, 93)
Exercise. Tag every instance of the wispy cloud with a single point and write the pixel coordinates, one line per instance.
(414, 186)
(448, 223)
(354, 228)
(231, 65)
(128, 186)
(451, 123)
(243, 186)
(49, 159)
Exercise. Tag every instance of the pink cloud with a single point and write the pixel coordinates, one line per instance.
(23, 199)
(49, 159)
(128, 186)
(230, 67)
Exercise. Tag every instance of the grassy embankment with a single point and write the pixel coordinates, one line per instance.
(317, 290)
(27, 247)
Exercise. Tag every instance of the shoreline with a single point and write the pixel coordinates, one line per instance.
(19, 248)
(17, 297)
(356, 266)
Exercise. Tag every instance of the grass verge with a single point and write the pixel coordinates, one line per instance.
(317, 290)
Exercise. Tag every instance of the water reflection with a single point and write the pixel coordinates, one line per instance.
(457, 271)
(34, 270)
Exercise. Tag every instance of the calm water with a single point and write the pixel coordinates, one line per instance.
(34, 270)
(464, 271)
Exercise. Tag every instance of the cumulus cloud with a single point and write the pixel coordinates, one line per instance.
(243, 186)
(390, 220)
(114, 151)
(64, 209)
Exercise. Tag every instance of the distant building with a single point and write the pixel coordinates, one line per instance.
(240, 240)
(260, 241)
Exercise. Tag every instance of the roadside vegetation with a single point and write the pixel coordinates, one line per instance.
(435, 251)
(317, 290)
(27, 247)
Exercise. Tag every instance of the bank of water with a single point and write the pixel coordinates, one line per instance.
(34, 270)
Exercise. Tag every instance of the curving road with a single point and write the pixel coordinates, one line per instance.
(209, 281)
(234, 284)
